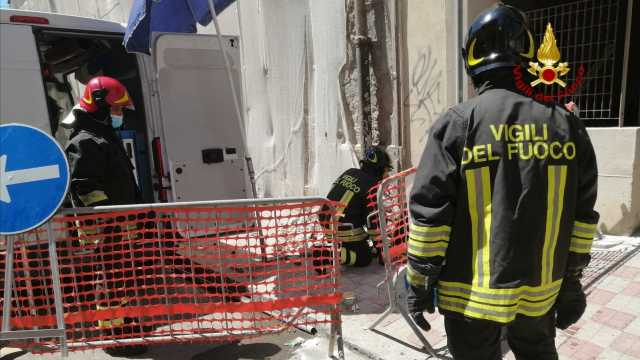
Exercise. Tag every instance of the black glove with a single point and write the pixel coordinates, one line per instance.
(419, 300)
(571, 303)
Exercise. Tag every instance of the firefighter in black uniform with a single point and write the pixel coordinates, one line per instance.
(350, 190)
(502, 207)
(102, 174)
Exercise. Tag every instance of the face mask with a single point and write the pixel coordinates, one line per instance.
(116, 121)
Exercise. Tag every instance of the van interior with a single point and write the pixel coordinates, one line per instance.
(69, 60)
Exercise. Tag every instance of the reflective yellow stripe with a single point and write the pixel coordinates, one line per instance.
(501, 314)
(415, 278)
(344, 202)
(486, 251)
(348, 257)
(429, 229)
(85, 235)
(112, 322)
(415, 237)
(585, 226)
(93, 197)
(353, 257)
(343, 256)
(582, 238)
(433, 244)
(581, 246)
(352, 235)
(428, 241)
(479, 196)
(508, 296)
(557, 179)
(350, 232)
(437, 248)
(583, 234)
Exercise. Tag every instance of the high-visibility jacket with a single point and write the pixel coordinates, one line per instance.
(503, 201)
(102, 174)
(351, 190)
(101, 171)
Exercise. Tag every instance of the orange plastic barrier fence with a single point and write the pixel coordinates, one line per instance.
(177, 273)
(394, 204)
(373, 220)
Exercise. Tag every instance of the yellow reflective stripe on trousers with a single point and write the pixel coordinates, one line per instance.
(479, 195)
(93, 197)
(344, 202)
(415, 278)
(557, 179)
(348, 257)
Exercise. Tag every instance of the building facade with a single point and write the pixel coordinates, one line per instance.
(325, 78)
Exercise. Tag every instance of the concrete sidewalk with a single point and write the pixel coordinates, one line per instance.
(610, 328)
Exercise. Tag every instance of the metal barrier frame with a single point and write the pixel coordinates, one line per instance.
(60, 331)
(335, 336)
(397, 300)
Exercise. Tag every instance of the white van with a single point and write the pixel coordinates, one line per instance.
(183, 137)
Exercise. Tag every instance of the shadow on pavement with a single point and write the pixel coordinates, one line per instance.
(240, 351)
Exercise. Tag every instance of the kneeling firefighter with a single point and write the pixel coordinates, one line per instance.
(498, 237)
(350, 190)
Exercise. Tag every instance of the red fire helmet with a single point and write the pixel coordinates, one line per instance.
(107, 89)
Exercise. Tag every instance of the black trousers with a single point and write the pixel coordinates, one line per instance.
(529, 338)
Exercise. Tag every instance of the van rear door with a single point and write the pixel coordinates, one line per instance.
(22, 95)
(203, 140)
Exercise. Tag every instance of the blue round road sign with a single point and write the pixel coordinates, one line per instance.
(34, 177)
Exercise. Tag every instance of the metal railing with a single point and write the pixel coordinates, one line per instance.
(393, 215)
(587, 33)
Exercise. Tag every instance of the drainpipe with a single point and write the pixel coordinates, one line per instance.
(404, 156)
(361, 41)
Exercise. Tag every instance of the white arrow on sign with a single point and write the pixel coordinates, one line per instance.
(23, 176)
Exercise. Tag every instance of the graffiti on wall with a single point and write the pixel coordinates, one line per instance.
(425, 98)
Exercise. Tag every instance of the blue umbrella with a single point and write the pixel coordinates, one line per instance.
(149, 16)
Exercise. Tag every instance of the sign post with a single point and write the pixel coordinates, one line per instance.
(34, 179)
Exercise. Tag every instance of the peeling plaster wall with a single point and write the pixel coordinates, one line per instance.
(299, 134)
(301, 100)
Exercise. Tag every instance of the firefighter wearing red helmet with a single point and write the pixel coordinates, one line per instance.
(102, 174)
